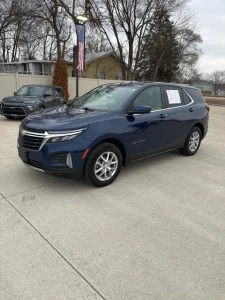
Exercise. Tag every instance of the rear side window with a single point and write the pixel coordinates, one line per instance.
(187, 99)
(174, 96)
(196, 95)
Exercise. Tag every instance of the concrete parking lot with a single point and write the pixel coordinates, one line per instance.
(156, 233)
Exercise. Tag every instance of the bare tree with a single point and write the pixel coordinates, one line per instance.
(216, 78)
(124, 23)
(97, 42)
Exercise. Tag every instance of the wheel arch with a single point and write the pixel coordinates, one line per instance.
(115, 142)
(200, 126)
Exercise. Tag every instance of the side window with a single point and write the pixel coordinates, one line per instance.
(196, 95)
(150, 97)
(49, 91)
(58, 92)
(174, 96)
(187, 99)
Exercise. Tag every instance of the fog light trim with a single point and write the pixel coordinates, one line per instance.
(69, 161)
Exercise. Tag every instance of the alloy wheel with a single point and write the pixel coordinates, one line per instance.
(106, 166)
(194, 141)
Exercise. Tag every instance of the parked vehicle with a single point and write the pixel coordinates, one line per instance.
(30, 98)
(112, 125)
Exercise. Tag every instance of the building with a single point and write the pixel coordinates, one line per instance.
(102, 65)
(30, 67)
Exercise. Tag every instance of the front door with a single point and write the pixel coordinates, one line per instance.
(58, 96)
(49, 97)
(147, 131)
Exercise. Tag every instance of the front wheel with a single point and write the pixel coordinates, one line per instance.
(40, 107)
(193, 142)
(103, 165)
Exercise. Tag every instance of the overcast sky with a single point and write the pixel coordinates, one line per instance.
(211, 16)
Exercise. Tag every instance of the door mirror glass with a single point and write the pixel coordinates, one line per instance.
(139, 109)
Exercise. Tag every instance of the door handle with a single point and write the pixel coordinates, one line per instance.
(192, 109)
(162, 116)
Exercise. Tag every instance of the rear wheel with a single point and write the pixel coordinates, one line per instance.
(103, 165)
(193, 142)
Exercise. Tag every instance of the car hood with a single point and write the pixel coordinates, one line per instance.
(19, 99)
(63, 117)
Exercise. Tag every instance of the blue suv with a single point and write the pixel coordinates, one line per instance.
(111, 126)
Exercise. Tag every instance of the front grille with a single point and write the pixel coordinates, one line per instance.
(60, 158)
(19, 111)
(34, 163)
(30, 142)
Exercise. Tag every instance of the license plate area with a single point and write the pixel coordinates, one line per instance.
(23, 154)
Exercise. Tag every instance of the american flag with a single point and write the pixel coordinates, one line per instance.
(81, 45)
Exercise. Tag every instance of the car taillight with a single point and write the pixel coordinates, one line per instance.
(208, 107)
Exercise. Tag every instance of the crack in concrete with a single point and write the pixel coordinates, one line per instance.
(57, 251)
(36, 188)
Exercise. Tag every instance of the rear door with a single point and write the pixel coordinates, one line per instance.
(182, 115)
(49, 97)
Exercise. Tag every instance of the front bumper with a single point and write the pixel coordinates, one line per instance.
(58, 158)
(76, 174)
(16, 110)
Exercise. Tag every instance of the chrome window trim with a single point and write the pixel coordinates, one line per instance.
(192, 101)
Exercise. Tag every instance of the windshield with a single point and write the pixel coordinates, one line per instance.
(30, 91)
(105, 98)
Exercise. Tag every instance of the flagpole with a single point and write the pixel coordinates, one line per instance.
(77, 72)
(79, 58)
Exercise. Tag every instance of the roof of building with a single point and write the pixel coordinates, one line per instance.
(89, 57)
(28, 61)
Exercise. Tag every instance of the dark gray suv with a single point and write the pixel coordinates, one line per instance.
(30, 98)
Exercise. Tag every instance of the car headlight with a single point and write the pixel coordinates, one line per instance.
(29, 101)
(62, 136)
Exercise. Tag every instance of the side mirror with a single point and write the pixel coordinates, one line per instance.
(140, 109)
(14, 93)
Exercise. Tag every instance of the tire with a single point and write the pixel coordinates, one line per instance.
(9, 117)
(95, 162)
(192, 143)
